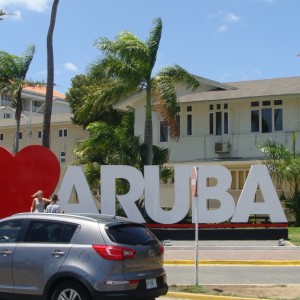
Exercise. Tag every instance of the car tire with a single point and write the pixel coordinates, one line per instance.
(70, 290)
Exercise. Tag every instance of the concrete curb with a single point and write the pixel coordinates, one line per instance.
(206, 297)
(235, 262)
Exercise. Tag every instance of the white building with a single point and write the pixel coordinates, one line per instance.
(63, 133)
(225, 123)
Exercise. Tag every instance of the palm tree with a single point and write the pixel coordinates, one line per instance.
(127, 67)
(82, 89)
(13, 71)
(108, 145)
(287, 170)
(50, 77)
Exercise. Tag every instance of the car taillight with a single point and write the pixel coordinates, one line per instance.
(161, 249)
(114, 252)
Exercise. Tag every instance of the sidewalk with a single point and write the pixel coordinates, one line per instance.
(270, 252)
(251, 252)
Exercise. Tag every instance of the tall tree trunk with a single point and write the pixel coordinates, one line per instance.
(148, 134)
(50, 77)
(16, 139)
(18, 115)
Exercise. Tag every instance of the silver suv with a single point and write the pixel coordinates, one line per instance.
(79, 257)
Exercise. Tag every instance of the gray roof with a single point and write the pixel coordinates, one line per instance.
(248, 89)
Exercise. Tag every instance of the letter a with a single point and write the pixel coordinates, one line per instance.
(246, 206)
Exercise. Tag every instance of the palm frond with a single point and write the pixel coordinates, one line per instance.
(111, 67)
(180, 76)
(154, 41)
(126, 47)
(274, 151)
(25, 60)
(8, 66)
(2, 13)
(165, 103)
(164, 93)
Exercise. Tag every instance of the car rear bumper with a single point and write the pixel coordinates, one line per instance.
(133, 294)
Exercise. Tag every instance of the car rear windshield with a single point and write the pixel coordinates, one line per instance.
(131, 234)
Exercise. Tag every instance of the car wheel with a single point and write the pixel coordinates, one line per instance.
(70, 290)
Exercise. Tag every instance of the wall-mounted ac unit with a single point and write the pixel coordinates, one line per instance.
(222, 147)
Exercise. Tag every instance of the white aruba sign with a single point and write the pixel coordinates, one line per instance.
(149, 184)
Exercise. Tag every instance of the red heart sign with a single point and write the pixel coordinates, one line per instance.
(31, 169)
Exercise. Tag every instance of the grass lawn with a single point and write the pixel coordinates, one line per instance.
(294, 235)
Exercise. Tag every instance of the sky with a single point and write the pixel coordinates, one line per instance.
(221, 40)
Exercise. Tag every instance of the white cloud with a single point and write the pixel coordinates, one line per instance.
(16, 15)
(222, 28)
(70, 67)
(224, 17)
(230, 17)
(34, 5)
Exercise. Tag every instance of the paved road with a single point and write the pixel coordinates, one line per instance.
(233, 275)
(214, 254)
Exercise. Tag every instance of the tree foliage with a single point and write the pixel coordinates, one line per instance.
(124, 69)
(13, 71)
(287, 170)
(109, 145)
(83, 93)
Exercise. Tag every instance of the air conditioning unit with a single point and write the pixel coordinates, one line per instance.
(222, 147)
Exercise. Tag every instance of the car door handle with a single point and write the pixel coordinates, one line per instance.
(6, 252)
(58, 253)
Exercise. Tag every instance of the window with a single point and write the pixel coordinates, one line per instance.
(278, 120)
(219, 119)
(63, 132)
(49, 232)
(189, 125)
(20, 135)
(40, 134)
(62, 157)
(9, 231)
(133, 235)
(218, 116)
(6, 115)
(178, 119)
(4, 97)
(178, 123)
(267, 116)
(163, 131)
(1, 136)
(254, 120)
(189, 120)
(266, 121)
(211, 123)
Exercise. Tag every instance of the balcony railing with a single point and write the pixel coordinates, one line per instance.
(38, 109)
(6, 102)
